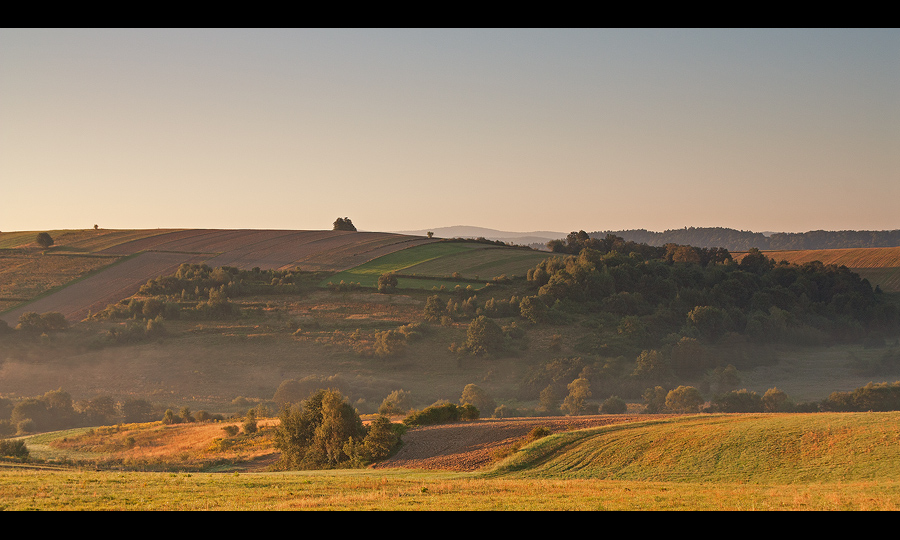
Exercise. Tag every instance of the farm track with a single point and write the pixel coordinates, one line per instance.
(469, 446)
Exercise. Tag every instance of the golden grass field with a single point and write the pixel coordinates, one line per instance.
(818, 461)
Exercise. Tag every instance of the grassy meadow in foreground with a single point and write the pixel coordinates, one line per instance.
(415, 490)
(821, 461)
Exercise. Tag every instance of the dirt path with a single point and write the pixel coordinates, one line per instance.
(468, 446)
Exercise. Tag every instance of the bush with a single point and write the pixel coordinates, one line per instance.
(397, 402)
(387, 282)
(13, 448)
(33, 323)
(442, 413)
(613, 405)
(538, 433)
(250, 425)
(389, 343)
(684, 399)
(137, 410)
(871, 397)
(44, 240)
(738, 401)
(474, 395)
(323, 432)
(231, 430)
(381, 439)
(484, 336)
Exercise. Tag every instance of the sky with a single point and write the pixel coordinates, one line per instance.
(522, 130)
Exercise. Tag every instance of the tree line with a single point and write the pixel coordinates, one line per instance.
(737, 240)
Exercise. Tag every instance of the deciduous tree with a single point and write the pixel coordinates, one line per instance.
(576, 402)
(344, 224)
(684, 399)
(44, 239)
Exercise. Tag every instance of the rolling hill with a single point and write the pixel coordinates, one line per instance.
(745, 448)
(128, 259)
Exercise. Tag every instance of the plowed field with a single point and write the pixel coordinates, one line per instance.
(106, 287)
(881, 266)
(468, 446)
(160, 252)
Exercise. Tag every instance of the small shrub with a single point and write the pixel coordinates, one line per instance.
(250, 425)
(13, 448)
(231, 430)
(538, 433)
(442, 413)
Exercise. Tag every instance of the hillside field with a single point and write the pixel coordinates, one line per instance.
(29, 273)
(432, 265)
(826, 461)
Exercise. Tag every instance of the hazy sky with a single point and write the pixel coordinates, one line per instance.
(519, 130)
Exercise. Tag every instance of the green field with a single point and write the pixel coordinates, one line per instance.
(472, 261)
(736, 448)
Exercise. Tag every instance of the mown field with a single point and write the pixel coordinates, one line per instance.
(822, 461)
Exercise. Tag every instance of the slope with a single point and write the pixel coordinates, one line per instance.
(749, 448)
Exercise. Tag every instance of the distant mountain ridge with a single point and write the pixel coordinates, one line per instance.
(465, 231)
(730, 239)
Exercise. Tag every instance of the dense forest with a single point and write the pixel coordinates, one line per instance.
(735, 240)
(665, 313)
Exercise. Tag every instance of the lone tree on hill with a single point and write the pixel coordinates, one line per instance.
(44, 240)
(343, 224)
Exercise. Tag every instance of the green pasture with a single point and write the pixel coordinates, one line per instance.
(485, 264)
(886, 278)
(441, 259)
(735, 448)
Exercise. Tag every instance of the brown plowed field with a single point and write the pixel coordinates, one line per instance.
(160, 253)
(881, 257)
(106, 287)
(469, 446)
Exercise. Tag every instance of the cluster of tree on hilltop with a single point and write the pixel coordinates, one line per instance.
(704, 293)
(735, 240)
(664, 312)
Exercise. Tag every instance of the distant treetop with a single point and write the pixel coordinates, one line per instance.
(44, 240)
(343, 224)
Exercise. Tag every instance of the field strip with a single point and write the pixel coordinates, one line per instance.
(276, 249)
(881, 257)
(108, 286)
(469, 446)
(148, 243)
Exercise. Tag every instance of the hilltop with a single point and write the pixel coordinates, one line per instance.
(228, 314)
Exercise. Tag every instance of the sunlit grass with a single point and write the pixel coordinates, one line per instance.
(411, 490)
(747, 448)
